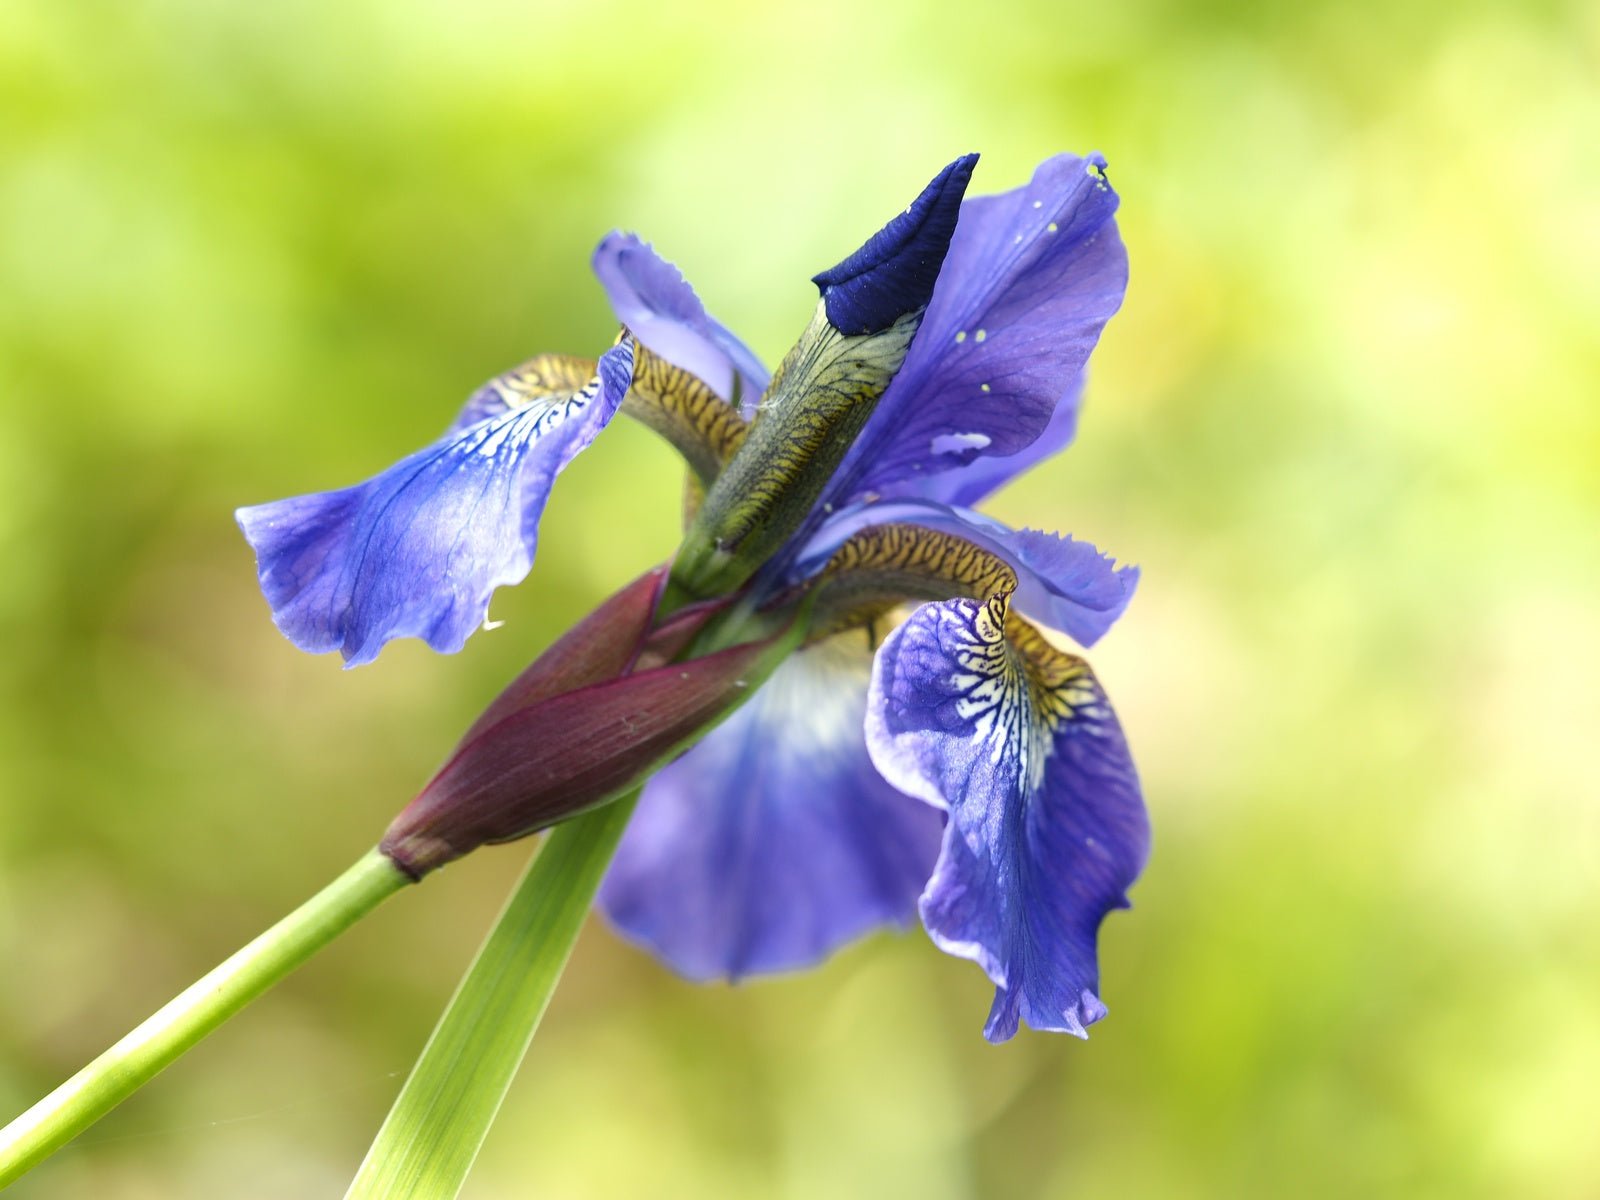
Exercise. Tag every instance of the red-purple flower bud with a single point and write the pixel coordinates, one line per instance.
(579, 727)
(603, 645)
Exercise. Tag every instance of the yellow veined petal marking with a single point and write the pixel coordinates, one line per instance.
(682, 408)
(1017, 688)
(887, 565)
(542, 377)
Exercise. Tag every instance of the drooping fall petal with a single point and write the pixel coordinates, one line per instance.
(417, 550)
(971, 711)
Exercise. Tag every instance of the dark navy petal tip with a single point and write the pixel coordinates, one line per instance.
(894, 272)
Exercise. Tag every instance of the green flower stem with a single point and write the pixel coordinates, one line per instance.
(195, 1012)
(432, 1135)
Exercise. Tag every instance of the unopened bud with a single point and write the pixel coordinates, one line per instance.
(577, 729)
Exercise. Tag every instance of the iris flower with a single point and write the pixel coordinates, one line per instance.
(926, 750)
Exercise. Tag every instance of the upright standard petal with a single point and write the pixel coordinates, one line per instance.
(1031, 279)
(824, 393)
(651, 297)
(971, 711)
(773, 841)
(1061, 582)
(417, 550)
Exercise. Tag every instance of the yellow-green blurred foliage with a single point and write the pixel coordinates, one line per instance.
(1347, 423)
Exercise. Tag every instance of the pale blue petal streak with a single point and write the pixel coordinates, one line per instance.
(651, 297)
(417, 550)
(1031, 278)
(1047, 826)
(773, 841)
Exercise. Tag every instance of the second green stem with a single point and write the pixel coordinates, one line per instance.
(433, 1133)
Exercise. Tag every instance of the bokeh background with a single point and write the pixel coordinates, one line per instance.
(1347, 423)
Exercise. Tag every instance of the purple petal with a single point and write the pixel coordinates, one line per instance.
(417, 550)
(773, 841)
(972, 484)
(1031, 279)
(1063, 583)
(651, 297)
(1047, 825)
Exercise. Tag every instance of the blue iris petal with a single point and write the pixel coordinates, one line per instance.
(650, 296)
(1031, 278)
(417, 550)
(1061, 582)
(987, 473)
(1047, 825)
(774, 840)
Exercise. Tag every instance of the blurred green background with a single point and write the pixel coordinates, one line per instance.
(1347, 424)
